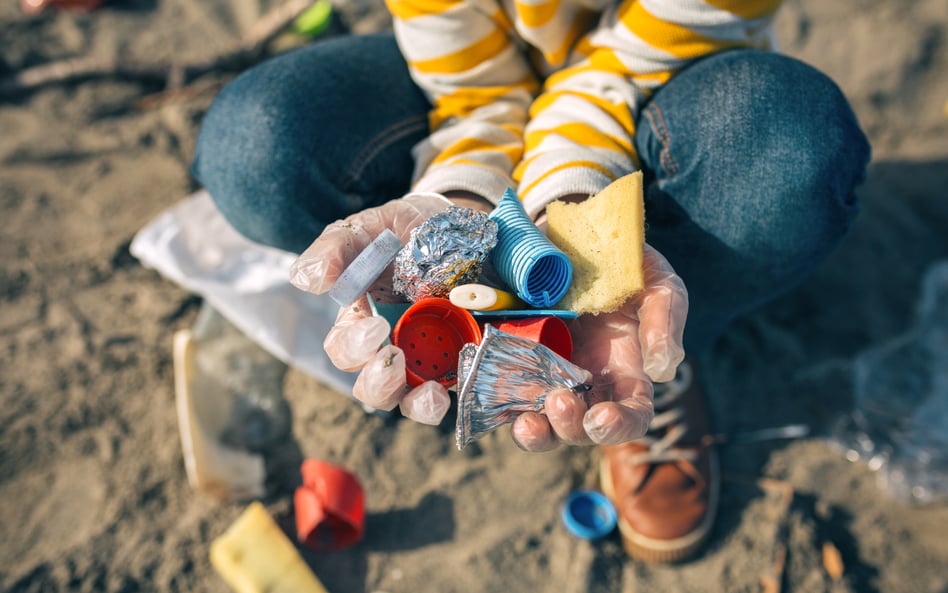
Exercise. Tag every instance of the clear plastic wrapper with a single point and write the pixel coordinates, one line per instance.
(899, 422)
(246, 380)
(506, 375)
(356, 279)
(447, 250)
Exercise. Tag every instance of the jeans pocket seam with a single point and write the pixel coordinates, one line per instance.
(390, 134)
(657, 121)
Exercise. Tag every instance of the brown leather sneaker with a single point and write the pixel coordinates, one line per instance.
(665, 485)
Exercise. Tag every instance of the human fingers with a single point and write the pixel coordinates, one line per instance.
(355, 337)
(661, 309)
(627, 415)
(426, 403)
(613, 423)
(532, 432)
(565, 412)
(414, 209)
(621, 392)
(321, 264)
(381, 384)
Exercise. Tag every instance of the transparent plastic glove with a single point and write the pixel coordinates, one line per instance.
(427, 403)
(317, 268)
(625, 351)
(358, 341)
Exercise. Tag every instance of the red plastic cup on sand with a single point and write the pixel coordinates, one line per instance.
(329, 507)
(431, 333)
(549, 331)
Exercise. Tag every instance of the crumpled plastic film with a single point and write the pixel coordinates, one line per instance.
(900, 407)
(506, 375)
(447, 250)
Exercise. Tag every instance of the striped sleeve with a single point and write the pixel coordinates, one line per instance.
(462, 54)
(581, 128)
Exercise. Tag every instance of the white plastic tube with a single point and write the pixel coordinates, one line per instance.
(480, 297)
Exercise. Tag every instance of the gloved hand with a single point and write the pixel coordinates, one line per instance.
(625, 351)
(357, 341)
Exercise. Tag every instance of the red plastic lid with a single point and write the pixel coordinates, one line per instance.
(329, 507)
(550, 331)
(431, 333)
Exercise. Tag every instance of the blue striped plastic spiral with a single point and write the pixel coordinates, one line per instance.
(527, 261)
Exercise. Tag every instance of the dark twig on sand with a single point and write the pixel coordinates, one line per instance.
(169, 96)
(173, 74)
(771, 579)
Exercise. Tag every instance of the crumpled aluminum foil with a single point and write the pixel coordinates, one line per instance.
(447, 250)
(506, 375)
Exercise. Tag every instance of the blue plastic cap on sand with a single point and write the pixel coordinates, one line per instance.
(588, 514)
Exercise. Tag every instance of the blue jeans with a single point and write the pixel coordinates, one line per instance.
(750, 161)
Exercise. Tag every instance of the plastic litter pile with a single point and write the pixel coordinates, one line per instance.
(512, 345)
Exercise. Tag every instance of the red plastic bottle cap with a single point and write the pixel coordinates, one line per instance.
(431, 333)
(329, 507)
(549, 331)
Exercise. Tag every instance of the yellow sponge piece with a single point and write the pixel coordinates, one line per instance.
(255, 556)
(603, 237)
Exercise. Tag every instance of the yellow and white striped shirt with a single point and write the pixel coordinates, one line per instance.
(542, 95)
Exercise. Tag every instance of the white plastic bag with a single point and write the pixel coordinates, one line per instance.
(194, 246)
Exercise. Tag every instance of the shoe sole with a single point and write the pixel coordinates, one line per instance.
(666, 551)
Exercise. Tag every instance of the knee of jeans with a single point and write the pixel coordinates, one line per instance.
(246, 159)
(806, 150)
(779, 107)
(793, 228)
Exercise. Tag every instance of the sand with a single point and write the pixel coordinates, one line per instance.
(93, 494)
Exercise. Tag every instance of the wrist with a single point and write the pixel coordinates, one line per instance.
(466, 199)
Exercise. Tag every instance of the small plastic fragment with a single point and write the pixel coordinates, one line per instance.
(523, 313)
(480, 297)
(365, 269)
(314, 20)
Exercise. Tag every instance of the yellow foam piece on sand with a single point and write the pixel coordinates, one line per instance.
(603, 237)
(255, 556)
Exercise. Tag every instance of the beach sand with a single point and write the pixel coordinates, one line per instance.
(93, 492)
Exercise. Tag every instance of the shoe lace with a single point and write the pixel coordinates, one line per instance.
(668, 418)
